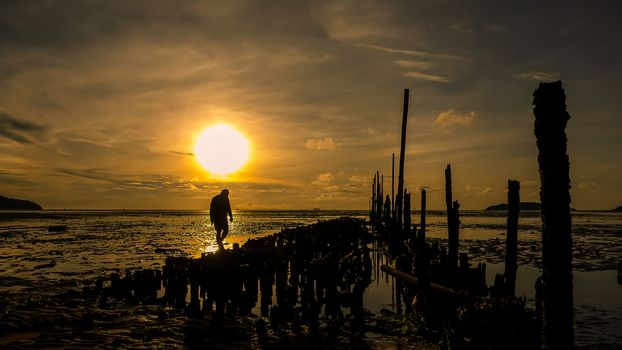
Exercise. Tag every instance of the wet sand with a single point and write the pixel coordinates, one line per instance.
(36, 313)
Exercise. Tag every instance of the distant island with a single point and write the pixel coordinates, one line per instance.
(17, 204)
(523, 206)
(617, 209)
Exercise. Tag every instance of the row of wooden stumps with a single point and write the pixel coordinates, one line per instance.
(554, 304)
(451, 293)
(321, 267)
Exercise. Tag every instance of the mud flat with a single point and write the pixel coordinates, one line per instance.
(303, 287)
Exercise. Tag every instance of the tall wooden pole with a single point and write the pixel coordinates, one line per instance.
(511, 245)
(448, 194)
(407, 213)
(452, 221)
(393, 186)
(422, 223)
(378, 198)
(381, 198)
(551, 118)
(400, 179)
(373, 200)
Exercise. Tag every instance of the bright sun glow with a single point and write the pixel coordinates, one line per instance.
(221, 150)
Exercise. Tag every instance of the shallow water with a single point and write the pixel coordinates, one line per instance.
(36, 264)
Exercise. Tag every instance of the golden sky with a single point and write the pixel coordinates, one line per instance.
(101, 102)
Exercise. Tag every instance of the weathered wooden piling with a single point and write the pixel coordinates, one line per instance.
(410, 279)
(386, 215)
(539, 311)
(551, 118)
(393, 185)
(511, 245)
(400, 179)
(372, 212)
(382, 187)
(379, 200)
(421, 232)
(453, 221)
(407, 221)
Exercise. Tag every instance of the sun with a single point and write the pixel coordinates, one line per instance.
(222, 150)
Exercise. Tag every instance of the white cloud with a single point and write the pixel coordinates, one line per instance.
(325, 144)
(484, 191)
(413, 53)
(539, 76)
(451, 117)
(358, 179)
(428, 77)
(324, 179)
(414, 64)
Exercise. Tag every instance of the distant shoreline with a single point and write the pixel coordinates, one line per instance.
(431, 211)
(7, 203)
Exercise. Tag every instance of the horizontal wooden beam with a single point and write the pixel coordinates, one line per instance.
(412, 280)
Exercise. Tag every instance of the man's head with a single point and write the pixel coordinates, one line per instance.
(225, 192)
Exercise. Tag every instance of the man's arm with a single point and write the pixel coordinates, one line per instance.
(229, 210)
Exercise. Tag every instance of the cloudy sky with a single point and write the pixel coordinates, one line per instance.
(101, 102)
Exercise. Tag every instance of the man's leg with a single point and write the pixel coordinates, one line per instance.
(218, 235)
(225, 231)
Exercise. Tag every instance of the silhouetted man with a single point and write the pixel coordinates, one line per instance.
(218, 210)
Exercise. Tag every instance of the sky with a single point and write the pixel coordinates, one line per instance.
(101, 102)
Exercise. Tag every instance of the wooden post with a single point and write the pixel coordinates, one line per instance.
(373, 201)
(455, 233)
(452, 221)
(421, 235)
(412, 280)
(379, 200)
(511, 245)
(400, 179)
(550, 124)
(539, 312)
(393, 186)
(406, 214)
(382, 187)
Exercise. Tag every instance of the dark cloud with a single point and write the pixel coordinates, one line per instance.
(20, 131)
(124, 182)
(183, 153)
(12, 180)
(10, 173)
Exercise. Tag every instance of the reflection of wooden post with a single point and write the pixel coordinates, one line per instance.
(400, 179)
(550, 123)
(452, 221)
(511, 238)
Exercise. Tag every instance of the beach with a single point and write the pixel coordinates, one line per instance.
(39, 266)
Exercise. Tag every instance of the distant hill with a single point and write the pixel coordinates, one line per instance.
(523, 206)
(17, 204)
